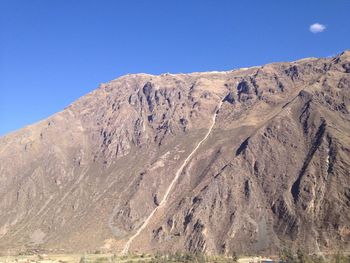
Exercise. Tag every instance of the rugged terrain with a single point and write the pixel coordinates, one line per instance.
(245, 161)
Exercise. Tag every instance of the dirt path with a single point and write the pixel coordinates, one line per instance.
(170, 187)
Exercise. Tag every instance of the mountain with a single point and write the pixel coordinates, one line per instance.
(247, 161)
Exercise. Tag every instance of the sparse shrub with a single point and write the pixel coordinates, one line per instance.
(340, 258)
(234, 256)
(83, 260)
(303, 257)
(158, 255)
(101, 260)
(318, 259)
(286, 255)
(114, 258)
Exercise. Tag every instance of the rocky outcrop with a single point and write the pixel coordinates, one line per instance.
(273, 172)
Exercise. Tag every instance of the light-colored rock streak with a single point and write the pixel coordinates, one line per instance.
(170, 187)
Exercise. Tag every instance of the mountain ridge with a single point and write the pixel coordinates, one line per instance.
(87, 177)
(161, 74)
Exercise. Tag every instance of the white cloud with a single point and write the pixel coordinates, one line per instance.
(317, 28)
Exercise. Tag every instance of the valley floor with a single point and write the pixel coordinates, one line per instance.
(171, 258)
(110, 258)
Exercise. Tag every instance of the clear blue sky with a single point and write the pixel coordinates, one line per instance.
(53, 52)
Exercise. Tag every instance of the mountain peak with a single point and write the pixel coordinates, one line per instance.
(219, 162)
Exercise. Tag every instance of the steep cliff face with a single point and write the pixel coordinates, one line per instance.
(272, 171)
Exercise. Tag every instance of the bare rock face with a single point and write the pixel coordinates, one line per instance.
(272, 172)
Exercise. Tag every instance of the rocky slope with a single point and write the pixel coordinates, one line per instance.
(249, 160)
